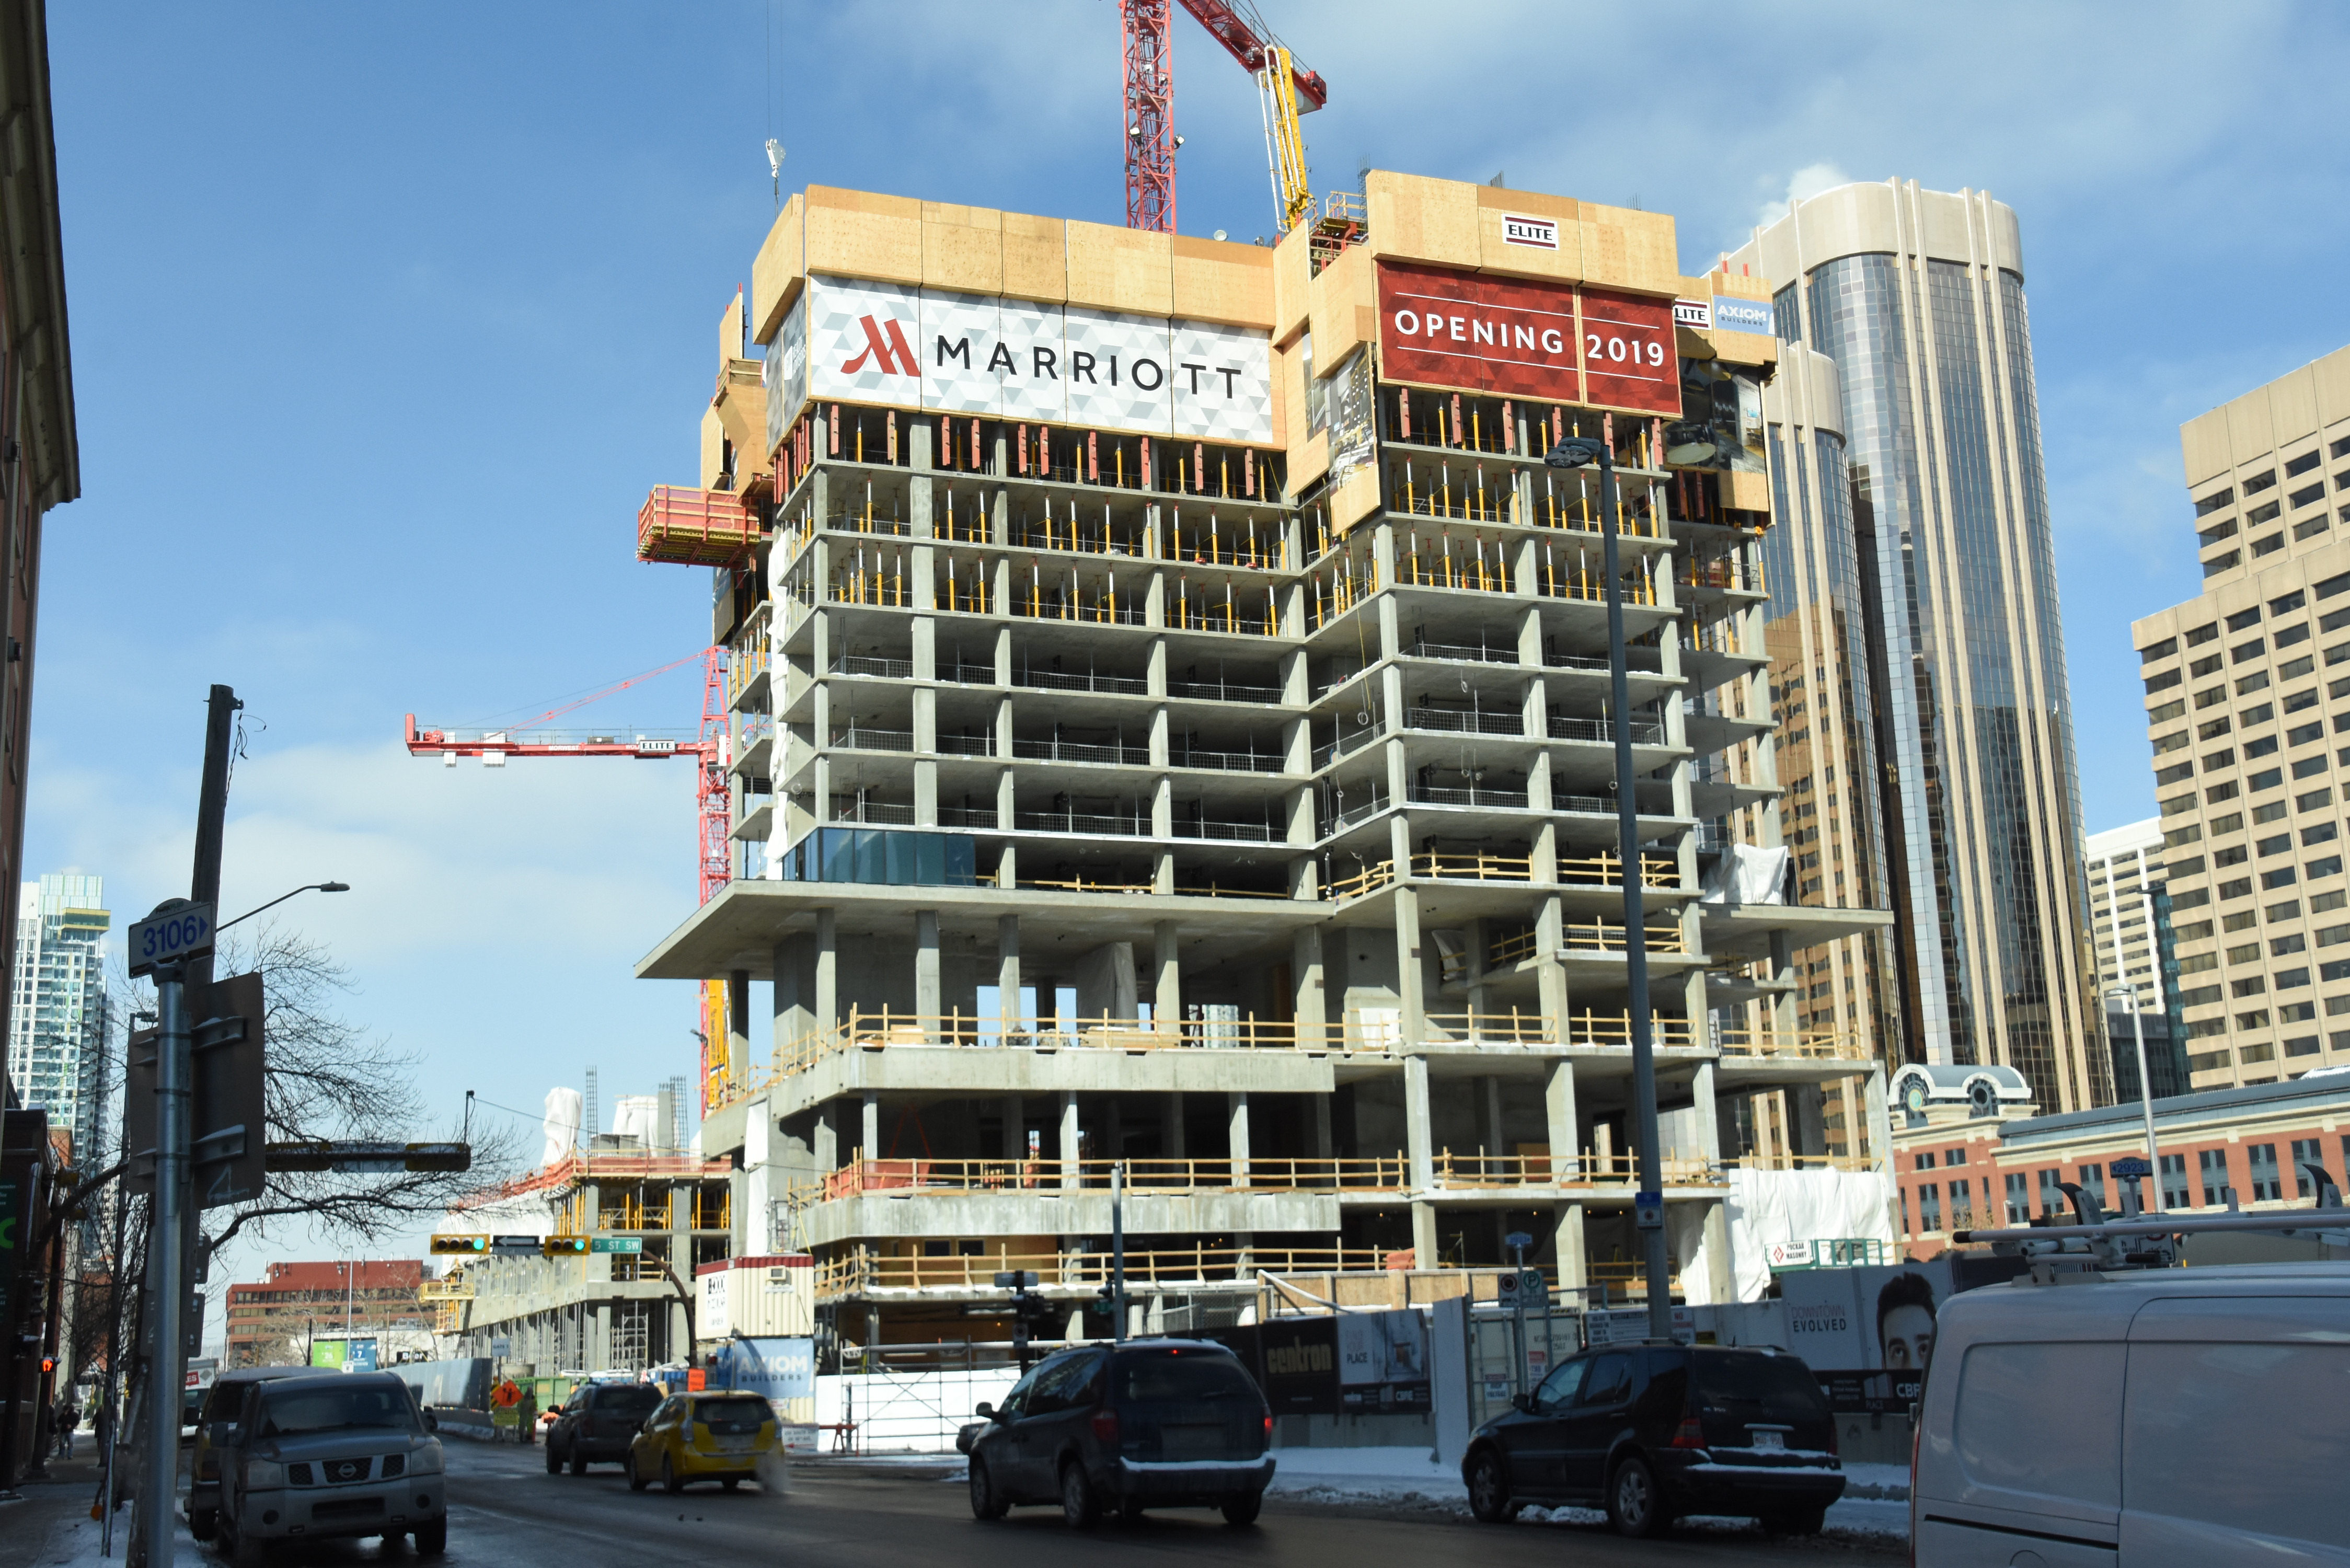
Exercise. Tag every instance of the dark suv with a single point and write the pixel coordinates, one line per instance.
(1152, 1423)
(1652, 1431)
(598, 1424)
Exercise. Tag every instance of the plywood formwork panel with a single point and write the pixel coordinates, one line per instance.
(1213, 280)
(1345, 306)
(1497, 254)
(860, 233)
(1288, 393)
(730, 333)
(1624, 249)
(713, 449)
(1415, 218)
(1293, 280)
(1355, 499)
(741, 409)
(1121, 269)
(962, 248)
(776, 272)
(1035, 257)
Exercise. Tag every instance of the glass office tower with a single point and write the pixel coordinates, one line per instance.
(1917, 297)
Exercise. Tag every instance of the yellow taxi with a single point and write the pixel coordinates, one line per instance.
(702, 1437)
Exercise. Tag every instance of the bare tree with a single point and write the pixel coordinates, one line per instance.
(331, 1079)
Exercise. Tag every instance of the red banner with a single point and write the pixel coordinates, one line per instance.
(1517, 338)
(1491, 334)
(1628, 361)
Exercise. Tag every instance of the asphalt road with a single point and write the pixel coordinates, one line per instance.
(505, 1510)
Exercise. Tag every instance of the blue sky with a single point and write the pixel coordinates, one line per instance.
(385, 317)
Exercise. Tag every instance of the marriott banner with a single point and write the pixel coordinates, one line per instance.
(1550, 341)
(945, 352)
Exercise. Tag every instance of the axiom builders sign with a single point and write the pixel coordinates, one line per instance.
(1017, 359)
(1549, 342)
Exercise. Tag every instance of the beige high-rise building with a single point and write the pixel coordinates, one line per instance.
(2125, 871)
(2243, 707)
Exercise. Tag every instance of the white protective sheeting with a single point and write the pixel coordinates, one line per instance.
(1771, 1206)
(1745, 875)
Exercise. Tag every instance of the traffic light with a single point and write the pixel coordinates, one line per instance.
(564, 1246)
(467, 1246)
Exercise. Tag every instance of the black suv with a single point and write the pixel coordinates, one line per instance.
(1652, 1431)
(596, 1424)
(1152, 1423)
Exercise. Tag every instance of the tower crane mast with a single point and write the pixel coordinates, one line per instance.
(1148, 57)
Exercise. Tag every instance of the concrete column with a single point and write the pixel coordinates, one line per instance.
(1880, 1122)
(1475, 945)
(1574, 1271)
(827, 1140)
(681, 1345)
(1550, 973)
(1173, 1114)
(1709, 1119)
(1166, 993)
(791, 1014)
(1408, 966)
(1418, 1138)
(1492, 1134)
(1423, 1236)
(1783, 968)
(1015, 1127)
(928, 1005)
(1007, 976)
(738, 1024)
(1324, 1143)
(1307, 1005)
(827, 969)
(1803, 1100)
(868, 1137)
(1559, 1114)
(1072, 1144)
(600, 1337)
(1236, 1106)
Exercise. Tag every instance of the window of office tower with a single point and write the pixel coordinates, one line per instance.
(1854, 315)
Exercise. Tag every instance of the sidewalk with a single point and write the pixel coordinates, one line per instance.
(52, 1526)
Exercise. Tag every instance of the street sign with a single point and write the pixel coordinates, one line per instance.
(226, 1116)
(615, 1244)
(2129, 1166)
(1649, 1211)
(515, 1247)
(228, 1058)
(177, 931)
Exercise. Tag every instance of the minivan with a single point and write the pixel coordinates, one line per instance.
(1650, 1432)
(2131, 1419)
(1151, 1423)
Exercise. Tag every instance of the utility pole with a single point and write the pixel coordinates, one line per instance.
(180, 953)
(1649, 1201)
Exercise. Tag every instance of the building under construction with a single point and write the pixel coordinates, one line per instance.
(1170, 729)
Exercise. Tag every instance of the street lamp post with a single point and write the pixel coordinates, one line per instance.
(2127, 994)
(305, 887)
(1580, 451)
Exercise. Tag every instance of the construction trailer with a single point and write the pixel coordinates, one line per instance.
(1169, 729)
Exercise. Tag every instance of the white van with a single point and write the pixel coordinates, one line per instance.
(2134, 1420)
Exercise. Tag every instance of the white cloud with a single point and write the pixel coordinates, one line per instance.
(1802, 186)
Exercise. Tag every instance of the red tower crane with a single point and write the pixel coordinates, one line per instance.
(706, 746)
(1148, 60)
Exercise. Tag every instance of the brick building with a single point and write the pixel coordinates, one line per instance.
(1960, 1165)
(275, 1320)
